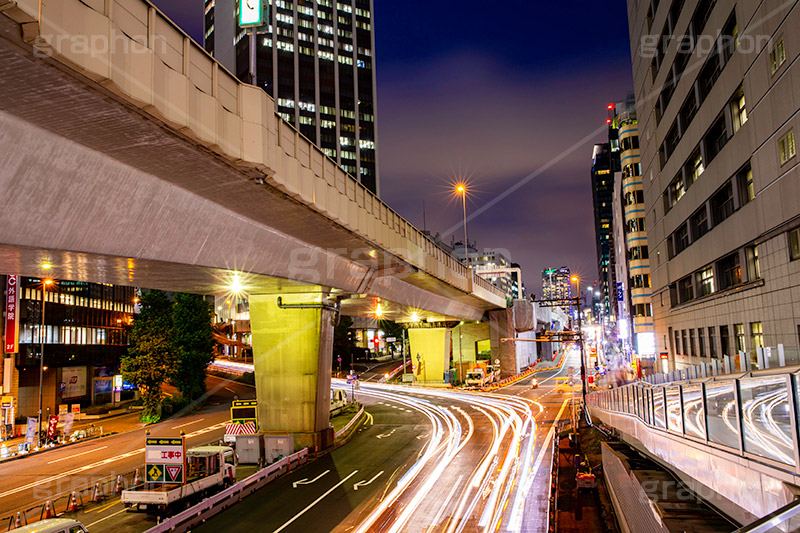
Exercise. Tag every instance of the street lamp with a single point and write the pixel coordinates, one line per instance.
(45, 283)
(462, 190)
(580, 336)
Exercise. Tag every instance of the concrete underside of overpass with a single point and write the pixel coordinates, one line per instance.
(108, 194)
(106, 189)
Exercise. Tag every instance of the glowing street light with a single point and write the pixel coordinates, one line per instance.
(46, 265)
(378, 311)
(461, 189)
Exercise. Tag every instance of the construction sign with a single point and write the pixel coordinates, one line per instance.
(165, 459)
(154, 474)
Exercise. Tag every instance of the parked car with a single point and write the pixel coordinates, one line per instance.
(52, 525)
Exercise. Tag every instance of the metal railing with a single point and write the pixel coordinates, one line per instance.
(784, 520)
(758, 359)
(751, 414)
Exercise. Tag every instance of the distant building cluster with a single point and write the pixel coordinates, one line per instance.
(556, 284)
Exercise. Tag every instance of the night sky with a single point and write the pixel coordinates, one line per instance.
(509, 97)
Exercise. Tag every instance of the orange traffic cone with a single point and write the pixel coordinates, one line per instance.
(97, 494)
(136, 479)
(18, 521)
(72, 506)
(48, 511)
(118, 486)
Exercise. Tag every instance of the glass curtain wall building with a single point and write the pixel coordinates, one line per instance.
(602, 191)
(316, 60)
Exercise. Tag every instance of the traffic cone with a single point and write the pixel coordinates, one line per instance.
(136, 477)
(48, 512)
(18, 521)
(118, 486)
(97, 494)
(73, 503)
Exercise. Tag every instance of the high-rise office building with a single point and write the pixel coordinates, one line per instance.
(632, 264)
(602, 189)
(492, 265)
(556, 284)
(717, 112)
(316, 60)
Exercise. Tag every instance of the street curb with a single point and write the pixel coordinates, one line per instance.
(61, 447)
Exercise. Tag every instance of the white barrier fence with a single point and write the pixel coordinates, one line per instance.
(209, 507)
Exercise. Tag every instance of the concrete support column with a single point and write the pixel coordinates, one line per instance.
(465, 345)
(501, 326)
(292, 353)
(430, 351)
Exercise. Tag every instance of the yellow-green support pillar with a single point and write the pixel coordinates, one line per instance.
(430, 352)
(292, 351)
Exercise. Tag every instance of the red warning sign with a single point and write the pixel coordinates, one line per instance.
(175, 473)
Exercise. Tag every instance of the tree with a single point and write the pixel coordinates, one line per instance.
(193, 343)
(151, 358)
(343, 345)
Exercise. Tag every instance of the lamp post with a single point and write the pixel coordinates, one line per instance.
(580, 337)
(45, 283)
(462, 190)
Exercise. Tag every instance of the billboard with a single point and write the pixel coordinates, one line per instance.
(250, 12)
(12, 315)
(74, 380)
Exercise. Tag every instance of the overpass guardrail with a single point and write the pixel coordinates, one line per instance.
(752, 414)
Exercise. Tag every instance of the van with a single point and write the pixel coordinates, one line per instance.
(52, 525)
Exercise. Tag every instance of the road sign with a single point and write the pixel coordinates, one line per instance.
(391, 339)
(174, 473)
(154, 474)
(250, 13)
(164, 450)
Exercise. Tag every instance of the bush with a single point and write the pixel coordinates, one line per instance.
(171, 405)
(248, 378)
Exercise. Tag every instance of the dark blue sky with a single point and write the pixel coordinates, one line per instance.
(511, 95)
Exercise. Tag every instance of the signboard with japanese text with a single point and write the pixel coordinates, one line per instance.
(165, 459)
(52, 426)
(12, 315)
(74, 378)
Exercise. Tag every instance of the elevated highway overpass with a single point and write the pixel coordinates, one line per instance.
(132, 157)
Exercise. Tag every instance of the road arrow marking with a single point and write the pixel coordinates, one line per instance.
(384, 435)
(424, 435)
(363, 483)
(315, 502)
(305, 480)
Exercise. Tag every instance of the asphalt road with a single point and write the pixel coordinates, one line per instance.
(429, 461)
(45, 476)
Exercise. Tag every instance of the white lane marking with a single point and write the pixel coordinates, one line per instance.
(305, 480)
(315, 502)
(363, 483)
(71, 472)
(76, 455)
(384, 435)
(189, 423)
(105, 518)
(101, 463)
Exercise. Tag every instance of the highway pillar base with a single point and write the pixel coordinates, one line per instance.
(292, 352)
(501, 326)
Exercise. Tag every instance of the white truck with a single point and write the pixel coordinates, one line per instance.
(477, 377)
(338, 401)
(209, 469)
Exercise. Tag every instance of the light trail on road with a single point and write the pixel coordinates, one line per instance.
(501, 476)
